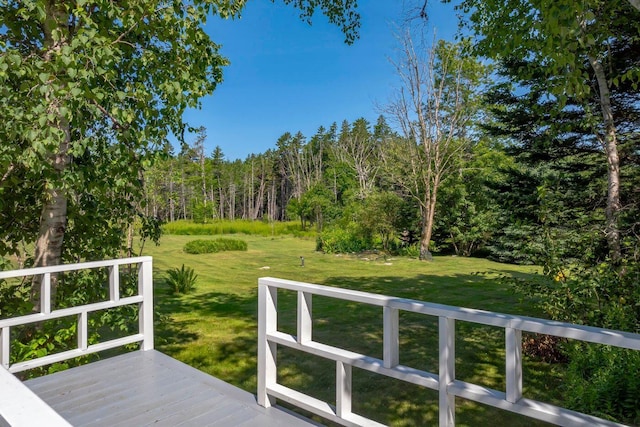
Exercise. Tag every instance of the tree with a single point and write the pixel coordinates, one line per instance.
(357, 148)
(433, 108)
(566, 36)
(88, 92)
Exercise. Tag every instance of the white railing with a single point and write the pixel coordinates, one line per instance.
(144, 299)
(444, 381)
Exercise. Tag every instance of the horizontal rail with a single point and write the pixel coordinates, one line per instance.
(71, 354)
(70, 311)
(528, 324)
(73, 267)
(367, 363)
(269, 337)
(22, 407)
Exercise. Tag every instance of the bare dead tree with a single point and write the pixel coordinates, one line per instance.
(432, 109)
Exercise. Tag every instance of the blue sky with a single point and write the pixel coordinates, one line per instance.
(287, 76)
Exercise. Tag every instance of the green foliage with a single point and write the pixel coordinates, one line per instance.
(380, 216)
(15, 299)
(150, 228)
(276, 228)
(181, 280)
(225, 347)
(217, 245)
(74, 288)
(604, 381)
(202, 214)
(343, 241)
(88, 96)
(601, 380)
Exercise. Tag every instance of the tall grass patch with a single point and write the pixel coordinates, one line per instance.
(217, 245)
(258, 228)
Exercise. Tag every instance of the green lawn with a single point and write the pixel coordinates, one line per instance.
(215, 328)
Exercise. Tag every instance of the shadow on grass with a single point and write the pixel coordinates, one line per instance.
(358, 327)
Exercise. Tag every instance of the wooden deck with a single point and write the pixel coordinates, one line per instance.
(149, 388)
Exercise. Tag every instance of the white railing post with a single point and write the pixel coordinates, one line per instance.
(447, 371)
(391, 337)
(5, 343)
(343, 389)
(82, 331)
(267, 323)
(145, 288)
(45, 294)
(513, 343)
(305, 324)
(114, 283)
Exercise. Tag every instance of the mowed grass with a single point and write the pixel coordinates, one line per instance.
(215, 327)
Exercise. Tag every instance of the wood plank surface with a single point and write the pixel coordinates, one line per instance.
(149, 388)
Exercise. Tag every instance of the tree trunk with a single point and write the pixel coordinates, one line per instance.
(427, 226)
(612, 231)
(53, 219)
(425, 240)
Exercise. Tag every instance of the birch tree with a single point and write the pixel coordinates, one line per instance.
(107, 83)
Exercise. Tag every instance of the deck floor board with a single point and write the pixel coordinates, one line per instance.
(149, 388)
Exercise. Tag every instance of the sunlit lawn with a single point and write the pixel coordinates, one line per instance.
(215, 328)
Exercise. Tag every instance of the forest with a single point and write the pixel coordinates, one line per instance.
(520, 144)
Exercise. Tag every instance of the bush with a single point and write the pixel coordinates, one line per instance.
(216, 245)
(181, 280)
(410, 251)
(339, 241)
(605, 381)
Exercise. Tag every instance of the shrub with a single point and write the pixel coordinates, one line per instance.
(181, 280)
(410, 251)
(217, 245)
(337, 241)
(605, 381)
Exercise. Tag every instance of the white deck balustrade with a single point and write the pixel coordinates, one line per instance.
(444, 381)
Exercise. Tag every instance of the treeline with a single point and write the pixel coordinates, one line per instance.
(339, 177)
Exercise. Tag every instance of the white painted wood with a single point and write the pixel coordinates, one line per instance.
(70, 354)
(45, 294)
(368, 363)
(530, 408)
(82, 331)
(72, 267)
(20, 407)
(445, 382)
(145, 288)
(114, 283)
(523, 323)
(447, 371)
(144, 299)
(345, 294)
(343, 390)
(148, 388)
(267, 350)
(5, 337)
(68, 312)
(513, 362)
(305, 323)
(318, 407)
(391, 337)
(577, 332)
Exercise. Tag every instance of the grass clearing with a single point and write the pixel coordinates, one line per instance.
(214, 328)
